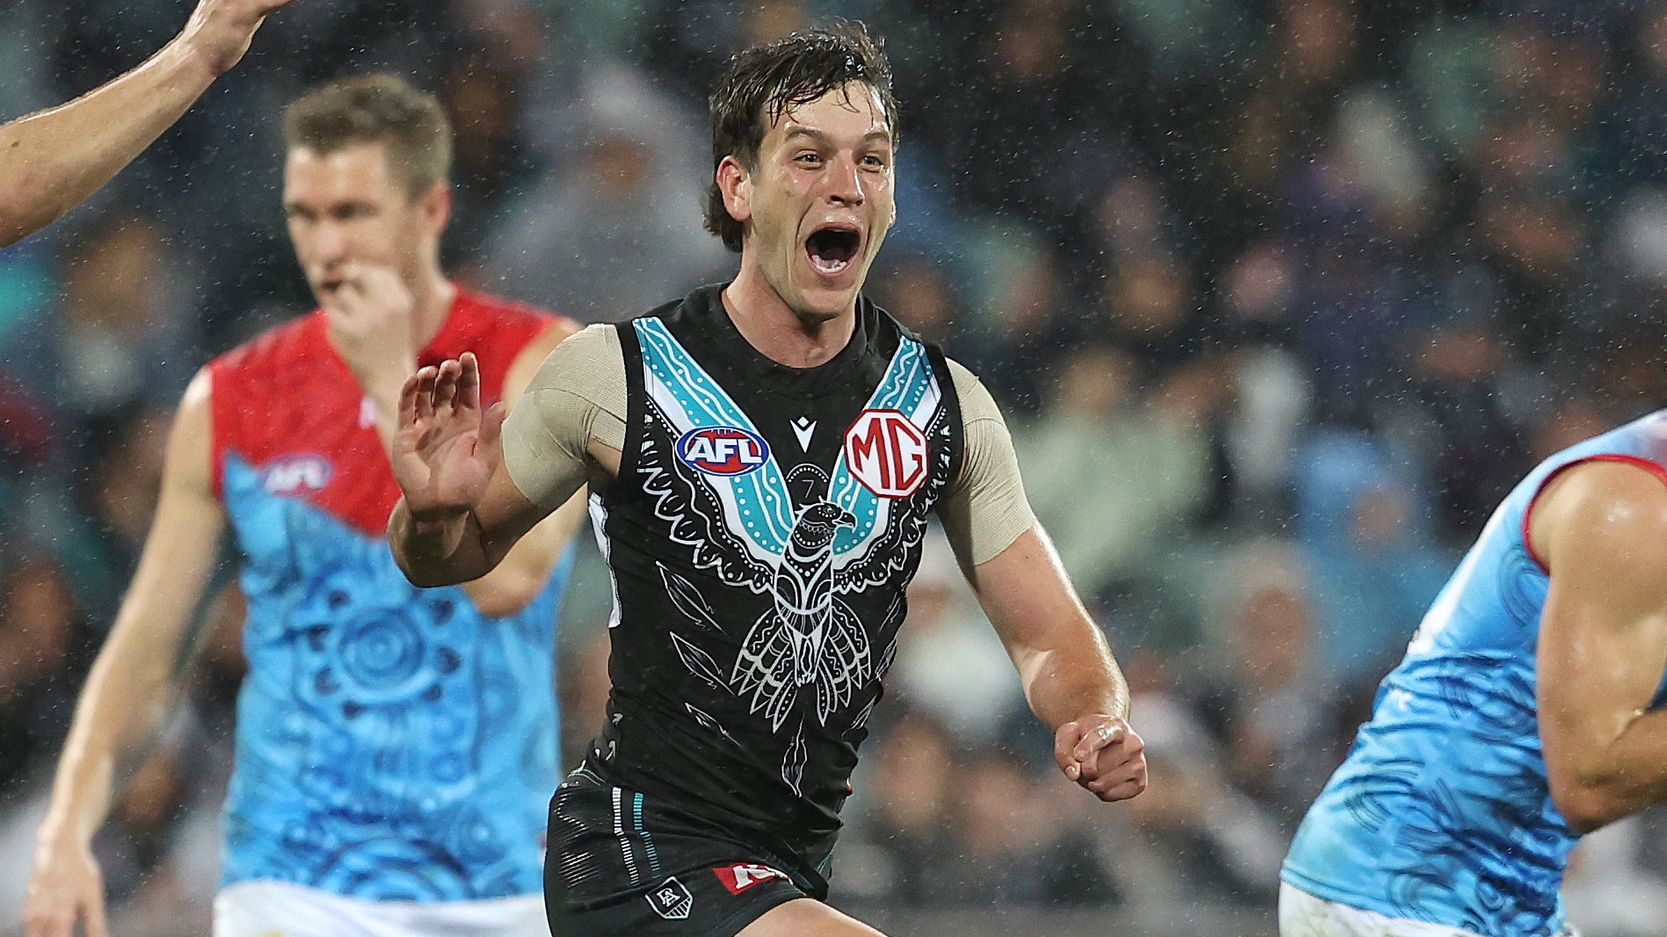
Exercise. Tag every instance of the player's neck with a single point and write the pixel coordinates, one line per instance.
(432, 297)
(780, 332)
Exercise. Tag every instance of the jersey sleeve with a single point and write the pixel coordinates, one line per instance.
(577, 397)
(985, 508)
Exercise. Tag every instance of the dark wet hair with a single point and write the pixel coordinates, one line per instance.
(764, 82)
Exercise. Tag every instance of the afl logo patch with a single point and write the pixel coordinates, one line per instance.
(887, 453)
(722, 450)
(297, 474)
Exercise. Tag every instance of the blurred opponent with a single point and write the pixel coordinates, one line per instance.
(763, 458)
(395, 746)
(52, 160)
(1528, 711)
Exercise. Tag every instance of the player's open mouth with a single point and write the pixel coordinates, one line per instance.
(831, 248)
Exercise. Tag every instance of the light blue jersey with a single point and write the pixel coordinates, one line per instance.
(1442, 812)
(393, 743)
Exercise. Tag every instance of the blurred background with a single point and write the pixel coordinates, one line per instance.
(1280, 297)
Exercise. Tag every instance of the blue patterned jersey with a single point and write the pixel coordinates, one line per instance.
(1442, 811)
(393, 743)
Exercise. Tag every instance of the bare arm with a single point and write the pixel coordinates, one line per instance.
(51, 161)
(1063, 660)
(135, 680)
(1602, 530)
(1069, 676)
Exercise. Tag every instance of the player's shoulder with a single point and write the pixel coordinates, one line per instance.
(1602, 510)
(273, 347)
(591, 352)
(510, 313)
(975, 399)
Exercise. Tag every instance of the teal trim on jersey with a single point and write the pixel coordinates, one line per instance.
(907, 379)
(647, 839)
(393, 744)
(761, 496)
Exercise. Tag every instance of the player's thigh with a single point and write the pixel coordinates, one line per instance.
(806, 917)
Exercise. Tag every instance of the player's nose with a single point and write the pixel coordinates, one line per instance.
(844, 182)
(328, 244)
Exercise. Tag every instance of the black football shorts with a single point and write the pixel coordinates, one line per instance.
(618, 865)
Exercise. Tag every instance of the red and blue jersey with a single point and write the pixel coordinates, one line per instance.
(393, 743)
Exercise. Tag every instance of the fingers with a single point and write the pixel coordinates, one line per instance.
(408, 400)
(1064, 740)
(1123, 781)
(437, 390)
(468, 382)
(1122, 790)
(426, 378)
(1097, 736)
(94, 922)
(492, 426)
(446, 386)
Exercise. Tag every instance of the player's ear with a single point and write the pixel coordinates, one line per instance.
(735, 183)
(435, 206)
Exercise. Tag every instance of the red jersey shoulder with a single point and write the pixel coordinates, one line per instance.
(288, 406)
(281, 395)
(496, 330)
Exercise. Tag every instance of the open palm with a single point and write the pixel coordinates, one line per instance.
(446, 447)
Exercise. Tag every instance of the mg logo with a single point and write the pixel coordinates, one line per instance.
(887, 453)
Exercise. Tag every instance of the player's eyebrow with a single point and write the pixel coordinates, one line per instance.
(796, 130)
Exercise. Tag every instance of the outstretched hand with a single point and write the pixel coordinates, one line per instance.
(1102, 754)
(445, 446)
(221, 30)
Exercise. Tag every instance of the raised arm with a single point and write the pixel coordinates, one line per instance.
(52, 160)
(1070, 678)
(135, 682)
(474, 485)
(1601, 529)
(528, 564)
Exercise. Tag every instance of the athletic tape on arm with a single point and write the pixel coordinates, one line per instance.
(578, 395)
(985, 509)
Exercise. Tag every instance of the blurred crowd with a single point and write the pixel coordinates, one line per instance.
(1280, 297)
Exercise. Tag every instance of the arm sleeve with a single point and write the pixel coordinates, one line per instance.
(576, 398)
(985, 509)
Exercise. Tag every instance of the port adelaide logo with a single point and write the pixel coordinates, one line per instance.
(722, 450)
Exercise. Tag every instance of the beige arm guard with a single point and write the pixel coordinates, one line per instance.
(985, 508)
(576, 398)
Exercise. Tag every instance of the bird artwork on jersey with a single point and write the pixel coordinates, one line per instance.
(808, 537)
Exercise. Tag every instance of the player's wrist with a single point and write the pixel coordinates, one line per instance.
(197, 59)
(59, 835)
(436, 520)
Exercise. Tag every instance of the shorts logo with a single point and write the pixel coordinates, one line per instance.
(722, 450)
(887, 453)
(298, 474)
(671, 900)
(742, 876)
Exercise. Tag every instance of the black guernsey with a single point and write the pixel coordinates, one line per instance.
(761, 532)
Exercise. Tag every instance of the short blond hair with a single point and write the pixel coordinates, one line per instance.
(410, 124)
